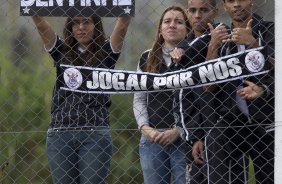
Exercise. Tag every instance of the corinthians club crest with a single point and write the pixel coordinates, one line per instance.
(73, 78)
(254, 61)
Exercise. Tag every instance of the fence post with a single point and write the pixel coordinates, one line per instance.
(278, 98)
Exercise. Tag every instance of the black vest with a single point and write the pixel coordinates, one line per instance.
(160, 104)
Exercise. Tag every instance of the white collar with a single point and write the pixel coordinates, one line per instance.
(166, 55)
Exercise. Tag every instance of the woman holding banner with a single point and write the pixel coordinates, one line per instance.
(162, 151)
(79, 146)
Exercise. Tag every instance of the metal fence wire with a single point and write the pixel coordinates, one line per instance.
(237, 147)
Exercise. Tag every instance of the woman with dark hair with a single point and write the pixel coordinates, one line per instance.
(79, 145)
(162, 151)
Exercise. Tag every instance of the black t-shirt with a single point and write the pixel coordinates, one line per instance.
(73, 109)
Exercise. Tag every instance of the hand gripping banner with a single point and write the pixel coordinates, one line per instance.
(96, 80)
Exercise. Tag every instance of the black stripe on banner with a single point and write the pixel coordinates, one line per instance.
(98, 80)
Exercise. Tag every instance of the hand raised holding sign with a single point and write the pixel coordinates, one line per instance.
(84, 44)
(243, 36)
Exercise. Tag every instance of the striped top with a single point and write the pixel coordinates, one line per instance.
(72, 109)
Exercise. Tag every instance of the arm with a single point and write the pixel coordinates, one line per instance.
(265, 86)
(119, 33)
(141, 112)
(197, 152)
(176, 54)
(253, 91)
(140, 109)
(168, 136)
(218, 35)
(46, 32)
(270, 43)
(142, 117)
(244, 36)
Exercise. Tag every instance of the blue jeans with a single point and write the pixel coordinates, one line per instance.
(161, 163)
(79, 157)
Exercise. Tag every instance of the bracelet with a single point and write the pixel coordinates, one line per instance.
(140, 128)
(180, 131)
(266, 91)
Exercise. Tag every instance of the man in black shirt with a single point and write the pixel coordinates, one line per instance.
(245, 107)
(195, 108)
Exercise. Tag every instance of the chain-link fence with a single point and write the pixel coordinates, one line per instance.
(27, 80)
